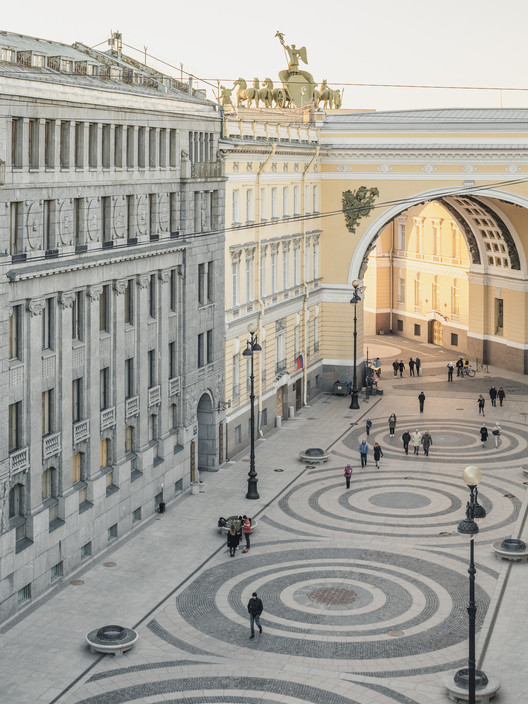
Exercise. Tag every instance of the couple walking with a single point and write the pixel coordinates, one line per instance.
(417, 439)
(363, 453)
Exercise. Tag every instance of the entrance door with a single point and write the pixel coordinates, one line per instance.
(298, 394)
(438, 334)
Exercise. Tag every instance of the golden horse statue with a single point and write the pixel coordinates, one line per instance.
(326, 94)
(266, 92)
(244, 93)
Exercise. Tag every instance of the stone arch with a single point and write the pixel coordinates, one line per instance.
(207, 442)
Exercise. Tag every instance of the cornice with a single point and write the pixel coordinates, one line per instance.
(412, 155)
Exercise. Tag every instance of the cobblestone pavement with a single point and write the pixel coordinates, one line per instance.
(365, 590)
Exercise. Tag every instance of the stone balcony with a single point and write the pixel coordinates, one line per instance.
(108, 418)
(51, 445)
(19, 460)
(81, 431)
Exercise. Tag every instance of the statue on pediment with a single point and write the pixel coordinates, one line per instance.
(299, 85)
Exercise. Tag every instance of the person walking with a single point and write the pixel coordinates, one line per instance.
(421, 399)
(406, 439)
(377, 366)
(450, 369)
(459, 366)
(392, 424)
(416, 440)
(348, 475)
(246, 531)
(481, 402)
(501, 395)
(232, 540)
(368, 425)
(411, 366)
(238, 527)
(497, 435)
(378, 454)
(493, 396)
(418, 364)
(427, 441)
(483, 435)
(363, 452)
(255, 608)
(401, 367)
(395, 366)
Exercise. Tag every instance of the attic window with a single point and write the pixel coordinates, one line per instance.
(67, 66)
(115, 73)
(91, 70)
(37, 60)
(8, 55)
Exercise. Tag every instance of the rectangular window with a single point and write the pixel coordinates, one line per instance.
(201, 350)
(47, 324)
(235, 278)
(152, 376)
(104, 453)
(153, 214)
(24, 594)
(172, 148)
(104, 309)
(296, 200)
(112, 532)
(307, 260)
(201, 284)
(238, 435)
(399, 326)
(402, 235)
(78, 220)
(153, 427)
(104, 388)
(105, 147)
(235, 215)
(130, 147)
(86, 551)
(92, 145)
(47, 412)
(47, 229)
(129, 377)
(173, 213)
(197, 211)
(285, 201)
(210, 282)
(285, 269)
(454, 339)
(128, 302)
(136, 515)
(499, 316)
(172, 360)
(77, 316)
(152, 296)
(274, 276)
(315, 198)
(49, 144)
(401, 290)
(249, 279)
(210, 348)
(236, 376)
(15, 333)
(141, 148)
(77, 467)
(106, 218)
(152, 148)
(307, 199)
(315, 258)
(129, 440)
(14, 228)
(130, 206)
(56, 571)
(16, 142)
(263, 275)
(33, 144)
(77, 400)
(417, 330)
(274, 202)
(118, 146)
(15, 426)
(79, 145)
(249, 205)
(163, 148)
(65, 145)
(296, 266)
(262, 204)
(173, 290)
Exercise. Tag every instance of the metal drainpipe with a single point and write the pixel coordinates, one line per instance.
(260, 302)
(303, 264)
(391, 278)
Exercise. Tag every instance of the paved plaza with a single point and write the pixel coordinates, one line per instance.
(365, 590)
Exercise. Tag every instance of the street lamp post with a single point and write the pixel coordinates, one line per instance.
(252, 346)
(354, 403)
(468, 526)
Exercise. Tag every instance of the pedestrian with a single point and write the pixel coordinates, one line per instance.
(378, 454)
(416, 440)
(255, 608)
(406, 438)
(392, 424)
(401, 367)
(368, 425)
(363, 452)
(348, 475)
(418, 363)
(450, 368)
(497, 434)
(481, 402)
(411, 366)
(459, 366)
(246, 531)
(501, 395)
(483, 435)
(493, 396)
(421, 399)
(395, 366)
(232, 539)
(427, 441)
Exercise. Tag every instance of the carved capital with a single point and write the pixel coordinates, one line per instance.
(164, 276)
(120, 286)
(36, 305)
(66, 298)
(95, 292)
(143, 280)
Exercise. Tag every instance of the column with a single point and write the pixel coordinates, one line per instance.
(163, 346)
(64, 384)
(118, 365)
(86, 144)
(142, 314)
(112, 147)
(33, 399)
(92, 381)
(42, 143)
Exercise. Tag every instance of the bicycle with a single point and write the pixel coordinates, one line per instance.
(468, 371)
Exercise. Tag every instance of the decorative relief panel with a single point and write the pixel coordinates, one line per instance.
(119, 217)
(92, 218)
(130, 341)
(48, 366)
(34, 225)
(142, 215)
(16, 376)
(78, 356)
(64, 221)
(163, 209)
(105, 346)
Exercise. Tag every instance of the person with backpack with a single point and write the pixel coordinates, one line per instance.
(246, 531)
(459, 366)
(348, 475)
(378, 454)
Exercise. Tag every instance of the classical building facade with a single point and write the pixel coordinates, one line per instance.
(112, 302)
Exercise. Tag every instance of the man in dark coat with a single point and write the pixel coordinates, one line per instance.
(395, 366)
(483, 435)
(459, 366)
(493, 396)
(401, 367)
(411, 366)
(255, 608)
(421, 399)
(406, 438)
(418, 363)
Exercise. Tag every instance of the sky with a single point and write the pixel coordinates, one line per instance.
(480, 43)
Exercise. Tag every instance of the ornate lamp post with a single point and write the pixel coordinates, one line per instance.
(354, 403)
(252, 346)
(468, 526)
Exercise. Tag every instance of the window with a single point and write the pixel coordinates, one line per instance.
(15, 223)
(78, 220)
(106, 219)
(47, 412)
(128, 302)
(173, 213)
(315, 259)
(262, 203)
(47, 229)
(296, 339)
(56, 571)
(201, 349)
(455, 242)
(315, 199)
(49, 144)
(129, 439)
(307, 199)
(152, 148)
(417, 330)
(235, 279)
(210, 349)
(33, 144)
(172, 148)
(173, 369)
(79, 145)
(152, 377)
(130, 133)
(64, 145)
(285, 268)
(153, 214)
(417, 292)
(203, 283)
(296, 265)
(118, 146)
(274, 273)
(418, 223)
(77, 316)
(235, 215)
(105, 147)
(104, 309)
(92, 145)
(141, 148)
(77, 385)
(274, 202)
(455, 298)
(16, 142)
(153, 427)
(129, 377)
(16, 501)
(136, 515)
(437, 241)
(249, 278)
(402, 233)
(104, 453)
(24, 594)
(15, 426)
(249, 205)
(499, 316)
(399, 325)
(109, 482)
(280, 350)
(454, 339)
(48, 480)
(112, 532)
(8, 55)
(296, 200)
(86, 550)
(264, 417)
(15, 333)
(307, 260)
(130, 205)
(238, 435)
(152, 296)
(401, 290)
(104, 390)
(263, 274)
(77, 467)
(235, 369)
(173, 290)
(286, 201)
